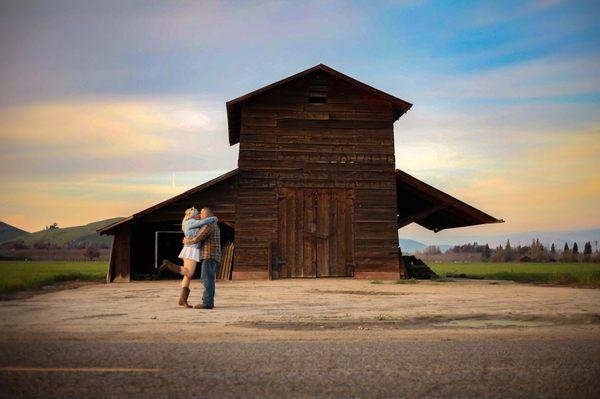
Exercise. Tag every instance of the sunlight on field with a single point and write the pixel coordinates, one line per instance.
(22, 275)
(559, 273)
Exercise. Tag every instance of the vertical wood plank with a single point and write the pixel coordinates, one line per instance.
(322, 236)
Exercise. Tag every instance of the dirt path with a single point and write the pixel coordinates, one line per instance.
(324, 309)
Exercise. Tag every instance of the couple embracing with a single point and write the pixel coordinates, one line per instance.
(202, 243)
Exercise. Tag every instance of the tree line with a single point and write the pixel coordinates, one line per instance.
(91, 250)
(535, 252)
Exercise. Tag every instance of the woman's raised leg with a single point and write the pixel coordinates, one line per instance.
(188, 270)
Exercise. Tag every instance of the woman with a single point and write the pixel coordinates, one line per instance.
(190, 253)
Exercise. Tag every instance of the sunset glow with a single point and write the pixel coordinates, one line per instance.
(105, 111)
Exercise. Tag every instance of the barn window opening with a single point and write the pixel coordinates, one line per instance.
(317, 99)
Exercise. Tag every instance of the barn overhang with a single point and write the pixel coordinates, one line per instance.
(420, 203)
(234, 107)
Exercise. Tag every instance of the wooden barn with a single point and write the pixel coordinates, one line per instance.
(315, 194)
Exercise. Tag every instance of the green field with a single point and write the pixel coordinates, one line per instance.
(22, 275)
(553, 273)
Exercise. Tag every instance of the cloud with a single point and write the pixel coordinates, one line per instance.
(106, 157)
(38, 205)
(534, 165)
(71, 48)
(98, 137)
(34, 203)
(554, 186)
(543, 77)
(100, 103)
(99, 129)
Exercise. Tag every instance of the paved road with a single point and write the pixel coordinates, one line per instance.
(511, 368)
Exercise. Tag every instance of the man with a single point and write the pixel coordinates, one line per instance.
(210, 256)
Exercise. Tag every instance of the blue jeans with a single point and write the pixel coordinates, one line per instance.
(207, 275)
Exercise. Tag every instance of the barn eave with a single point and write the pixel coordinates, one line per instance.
(420, 203)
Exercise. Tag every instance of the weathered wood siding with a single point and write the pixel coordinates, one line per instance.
(120, 257)
(346, 143)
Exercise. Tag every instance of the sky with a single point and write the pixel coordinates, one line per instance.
(108, 107)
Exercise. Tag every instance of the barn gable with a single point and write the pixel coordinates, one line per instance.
(317, 90)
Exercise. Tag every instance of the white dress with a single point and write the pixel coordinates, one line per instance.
(191, 228)
(192, 253)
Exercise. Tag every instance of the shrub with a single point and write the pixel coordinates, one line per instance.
(41, 245)
(407, 281)
(91, 252)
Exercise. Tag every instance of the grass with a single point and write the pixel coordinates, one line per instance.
(407, 281)
(552, 273)
(442, 279)
(16, 276)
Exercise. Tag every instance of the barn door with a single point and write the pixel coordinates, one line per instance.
(316, 233)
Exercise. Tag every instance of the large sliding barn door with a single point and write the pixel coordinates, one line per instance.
(316, 232)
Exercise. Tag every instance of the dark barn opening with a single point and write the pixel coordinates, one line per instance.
(166, 239)
(144, 239)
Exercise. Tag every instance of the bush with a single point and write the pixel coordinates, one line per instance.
(41, 245)
(91, 252)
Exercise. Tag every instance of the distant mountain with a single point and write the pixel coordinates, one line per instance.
(411, 246)
(9, 233)
(559, 238)
(64, 235)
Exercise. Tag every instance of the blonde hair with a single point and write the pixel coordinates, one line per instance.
(189, 213)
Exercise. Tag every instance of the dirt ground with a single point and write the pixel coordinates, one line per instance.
(322, 309)
(326, 338)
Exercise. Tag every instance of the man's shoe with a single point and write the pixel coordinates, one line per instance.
(167, 264)
(203, 306)
(185, 293)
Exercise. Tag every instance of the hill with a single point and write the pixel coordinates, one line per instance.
(411, 246)
(64, 235)
(9, 233)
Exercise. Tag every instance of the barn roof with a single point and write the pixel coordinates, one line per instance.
(418, 202)
(108, 229)
(433, 209)
(234, 106)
